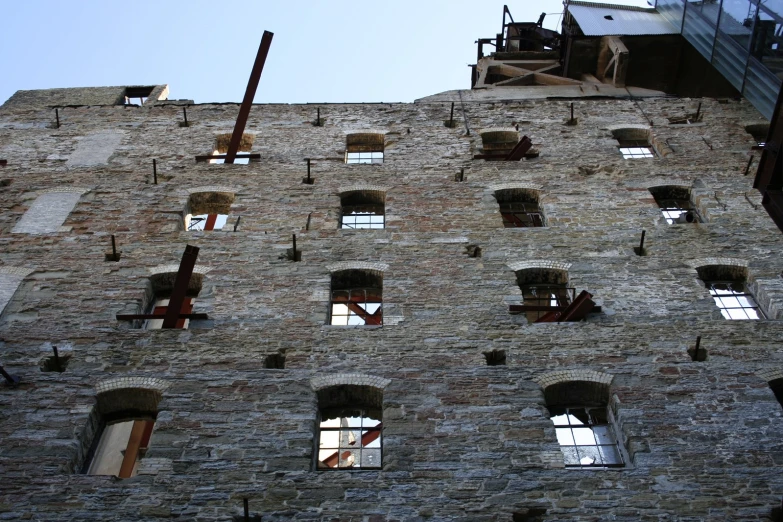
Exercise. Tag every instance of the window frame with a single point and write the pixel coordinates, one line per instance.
(138, 438)
(362, 414)
(593, 422)
(363, 291)
(636, 149)
(745, 293)
(516, 214)
(363, 209)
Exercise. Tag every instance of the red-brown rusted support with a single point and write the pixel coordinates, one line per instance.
(181, 283)
(250, 93)
(210, 224)
(519, 150)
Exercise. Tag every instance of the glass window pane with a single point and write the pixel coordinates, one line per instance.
(583, 436)
(570, 455)
(564, 436)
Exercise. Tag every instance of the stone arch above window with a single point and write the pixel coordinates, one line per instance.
(676, 204)
(129, 397)
(49, 210)
(222, 142)
(363, 207)
(365, 147)
(357, 265)
(565, 387)
(208, 208)
(358, 379)
(519, 207)
(498, 140)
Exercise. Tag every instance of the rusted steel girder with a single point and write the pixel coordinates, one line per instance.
(250, 93)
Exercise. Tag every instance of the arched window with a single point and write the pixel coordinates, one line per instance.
(161, 288)
(125, 417)
(519, 208)
(357, 298)
(675, 203)
(208, 210)
(350, 429)
(362, 209)
(499, 142)
(584, 424)
(542, 290)
(728, 287)
(634, 143)
(365, 147)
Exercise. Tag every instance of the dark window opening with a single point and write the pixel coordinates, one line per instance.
(362, 210)
(777, 389)
(356, 298)
(137, 94)
(495, 358)
(275, 361)
(676, 205)
(519, 208)
(759, 133)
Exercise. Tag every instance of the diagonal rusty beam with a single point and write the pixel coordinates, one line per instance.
(180, 290)
(250, 93)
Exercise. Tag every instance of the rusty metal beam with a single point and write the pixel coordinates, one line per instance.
(250, 93)
(519, 150)
(578, 309)
(133, 317)
(180, 290)
(202, 159)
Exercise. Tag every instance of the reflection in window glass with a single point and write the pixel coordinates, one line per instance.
(350, 442)
(734, 301)
(586, 438)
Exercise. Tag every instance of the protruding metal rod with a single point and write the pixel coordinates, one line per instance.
(155, 171)
(247, 509)
(318, 117)
(572, 111)
(462, 174)
(641, 243)
(185, 115)
(308, 171)
(747, 167)
(12, 380)
(698, 112)
(451, 118)
(57, 359)
(237, 223)
(113, 247)
(307, 225)
(696, 348)
(57, 116)
(295, 247)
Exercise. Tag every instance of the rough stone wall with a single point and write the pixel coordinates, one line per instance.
(462, 441)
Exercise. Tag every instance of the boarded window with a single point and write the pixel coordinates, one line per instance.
(47, 213)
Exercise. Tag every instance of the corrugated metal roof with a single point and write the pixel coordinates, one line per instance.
(604, 19)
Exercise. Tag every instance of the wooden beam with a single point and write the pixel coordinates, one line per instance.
(612, 52)
(551, 79)
(250, 93)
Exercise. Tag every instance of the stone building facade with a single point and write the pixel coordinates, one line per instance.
(236, 397)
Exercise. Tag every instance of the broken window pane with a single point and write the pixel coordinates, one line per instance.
(550, 297)
(586, 438)
(350, 441)
(734, 300)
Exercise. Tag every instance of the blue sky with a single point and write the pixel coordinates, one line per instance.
(323, 51)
